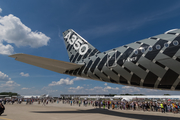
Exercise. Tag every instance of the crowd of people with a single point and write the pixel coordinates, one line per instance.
(158, 106)
(165, 106)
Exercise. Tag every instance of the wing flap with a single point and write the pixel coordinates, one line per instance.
(46, 63)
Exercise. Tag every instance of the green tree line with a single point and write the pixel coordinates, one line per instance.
(9, 93)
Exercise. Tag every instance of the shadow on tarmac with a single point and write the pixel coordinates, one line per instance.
(118, 114)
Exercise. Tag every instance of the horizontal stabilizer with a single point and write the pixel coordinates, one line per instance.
(46, 63)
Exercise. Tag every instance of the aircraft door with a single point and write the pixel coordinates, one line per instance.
(111, 59)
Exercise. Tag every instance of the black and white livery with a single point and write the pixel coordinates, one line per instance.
(151, 63)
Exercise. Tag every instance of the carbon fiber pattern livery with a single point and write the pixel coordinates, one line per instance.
(75, 56)
(151, 63)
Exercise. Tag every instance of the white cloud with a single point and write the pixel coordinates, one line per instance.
(25, 75)
(0, 10)
(12, 30)
(111, 88)
(130, 89)
(24, 88)
(77, 88)
(105, 84)
(96, 89)
(127, 87)
(6, 49)
(4, 77)
(105, 89)
(10, 84)
(78, 78)
(62, 81)
(66, 81)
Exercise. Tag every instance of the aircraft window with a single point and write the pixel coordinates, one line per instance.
(166, 45)
(142, 50)
(136, 52)
(175, 43)
(150, 48)
(158, 47)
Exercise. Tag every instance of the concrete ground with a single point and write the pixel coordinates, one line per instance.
(54, 111)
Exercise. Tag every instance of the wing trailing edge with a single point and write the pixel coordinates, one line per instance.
(46, 63)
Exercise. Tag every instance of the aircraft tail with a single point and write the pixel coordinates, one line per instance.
(77, 47)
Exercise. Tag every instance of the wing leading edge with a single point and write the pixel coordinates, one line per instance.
(46, 63)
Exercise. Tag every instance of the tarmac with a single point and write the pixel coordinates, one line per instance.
(59, 111)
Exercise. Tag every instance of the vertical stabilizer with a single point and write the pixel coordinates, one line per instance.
(77, 47)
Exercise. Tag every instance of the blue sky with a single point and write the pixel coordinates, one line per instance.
(35, 27)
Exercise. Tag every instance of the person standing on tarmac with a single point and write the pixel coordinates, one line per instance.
(162, 108)
(108, 104)
(79, 103)
(71, 102)
(4, 101)
(2, 108)
(44, 102)
(104, 104)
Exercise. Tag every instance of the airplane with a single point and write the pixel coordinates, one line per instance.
(149, 63)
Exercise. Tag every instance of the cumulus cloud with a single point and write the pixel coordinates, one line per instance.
(96, 89)
(6, 49)
(130, 89)
(10, 84)
(62, 81)
(105, 84)
(25, 75)
(0, 10)
(12, 30)
(4, 77)
(66, 81)
(111, 88)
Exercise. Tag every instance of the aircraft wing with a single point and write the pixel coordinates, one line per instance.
(46, 63)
